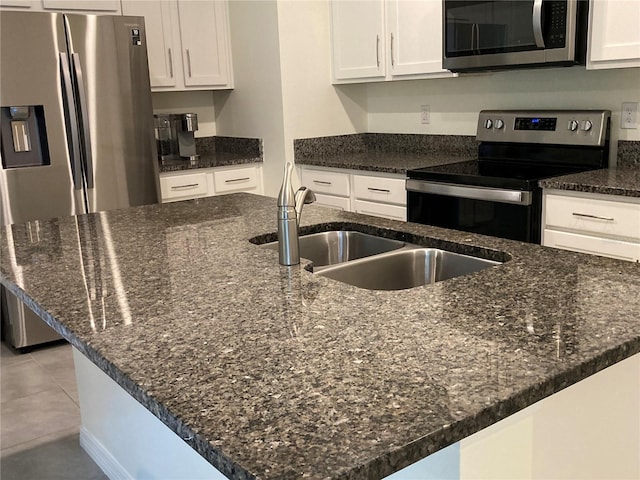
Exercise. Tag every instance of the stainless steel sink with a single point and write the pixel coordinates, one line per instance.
(333, 247)
(406, 268)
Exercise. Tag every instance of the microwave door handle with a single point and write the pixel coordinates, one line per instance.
(83, 120)
(71, 121)
(537, 23)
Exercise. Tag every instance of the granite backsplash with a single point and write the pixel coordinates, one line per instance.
(416, 144)
(251, 147)
(628, 154)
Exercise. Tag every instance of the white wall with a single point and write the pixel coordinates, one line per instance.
(282, 89)
(254, 107)
(312, 106)
(200, 102)
(394, 107)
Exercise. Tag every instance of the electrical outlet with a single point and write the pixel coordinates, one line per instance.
(629, 117)
(425, 114)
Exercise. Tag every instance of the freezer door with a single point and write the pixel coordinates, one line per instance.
(109, 61)
(41, 187)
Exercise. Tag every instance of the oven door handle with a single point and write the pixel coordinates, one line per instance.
(476, 193)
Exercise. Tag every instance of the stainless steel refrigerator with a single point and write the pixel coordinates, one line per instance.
(76, 128)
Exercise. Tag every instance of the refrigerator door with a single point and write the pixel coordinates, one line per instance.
(30, 61)
(109, 62)
(32, 51)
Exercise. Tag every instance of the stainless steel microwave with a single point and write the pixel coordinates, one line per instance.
(508, 34)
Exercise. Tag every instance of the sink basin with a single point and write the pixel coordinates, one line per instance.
(337, 246)
(406, 268)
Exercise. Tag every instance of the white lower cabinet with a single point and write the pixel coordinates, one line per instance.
(207, 182)
(176, 187)
(332, 188)
(606, 225)
(381, 195)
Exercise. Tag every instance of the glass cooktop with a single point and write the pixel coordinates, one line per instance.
(515, 175)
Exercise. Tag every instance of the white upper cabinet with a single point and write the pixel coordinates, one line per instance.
(160, 47)
(358, 39)
(415, 36)
(205, 43)
(386, 40)
(187, 42)
(104, 7)
(614, 34)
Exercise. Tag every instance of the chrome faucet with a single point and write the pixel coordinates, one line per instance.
(289, 214)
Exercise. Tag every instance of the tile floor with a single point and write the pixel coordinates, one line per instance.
(40, 417)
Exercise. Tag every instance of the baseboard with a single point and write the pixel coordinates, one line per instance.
(101, 456)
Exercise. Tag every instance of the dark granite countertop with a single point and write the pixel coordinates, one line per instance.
(611, 181)
(272, 372)
(384, 152)
(388, 162)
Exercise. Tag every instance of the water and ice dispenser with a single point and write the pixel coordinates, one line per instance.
(24, 136)
(175, 136)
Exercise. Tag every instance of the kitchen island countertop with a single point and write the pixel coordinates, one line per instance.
(274, 372)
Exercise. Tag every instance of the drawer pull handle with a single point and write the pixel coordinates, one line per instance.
(321, 182)
(236, 180)
(185, 187)
(594, 217)
(378, 190)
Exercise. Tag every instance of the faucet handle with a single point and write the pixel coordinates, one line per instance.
(305, 195)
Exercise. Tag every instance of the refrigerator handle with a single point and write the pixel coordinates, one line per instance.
(84, 119)
(71, 121)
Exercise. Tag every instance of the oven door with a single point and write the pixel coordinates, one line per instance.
(506, 33)
(512, 214)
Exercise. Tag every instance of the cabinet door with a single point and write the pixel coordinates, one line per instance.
(614, 34)
(357, 38)
(415, 37)
(160, 47)
(205, 50)
(104, 6)
(18, 4)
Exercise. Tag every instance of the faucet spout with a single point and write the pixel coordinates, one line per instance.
(289, 214)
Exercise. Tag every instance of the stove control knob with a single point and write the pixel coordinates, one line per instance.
(488, 123)
(586, 125)
(573, 125)
(499, 124)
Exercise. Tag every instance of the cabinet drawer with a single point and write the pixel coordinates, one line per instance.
(380, 189)
(394, 212)
(235, 180)
(606, 247)
(332, 183)
(591, 215)
(180, 187)
(341, 203)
